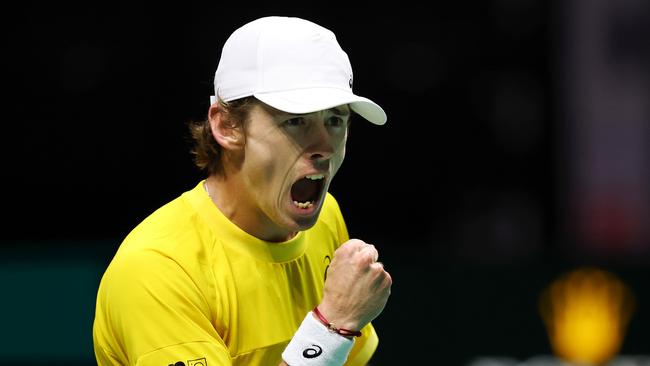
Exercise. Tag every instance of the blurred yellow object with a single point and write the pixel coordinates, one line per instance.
(586, 313)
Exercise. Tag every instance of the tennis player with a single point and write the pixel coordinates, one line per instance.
(254, 266)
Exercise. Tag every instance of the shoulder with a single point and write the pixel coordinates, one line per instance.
(136, 273)
(167, 251)
(175, 229)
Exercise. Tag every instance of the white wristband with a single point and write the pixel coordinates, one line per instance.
(315, 345)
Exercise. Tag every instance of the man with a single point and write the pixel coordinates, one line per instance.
(254, 265)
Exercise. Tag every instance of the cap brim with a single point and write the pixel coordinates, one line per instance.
(316, 99)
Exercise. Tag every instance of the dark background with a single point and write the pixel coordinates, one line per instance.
(466, 191)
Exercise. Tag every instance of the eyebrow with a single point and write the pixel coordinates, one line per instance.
(340, 111)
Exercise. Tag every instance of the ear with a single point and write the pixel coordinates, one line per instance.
(227, 134)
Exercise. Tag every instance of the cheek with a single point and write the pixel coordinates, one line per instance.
(263, 150)
(269, 164)
(337, 159)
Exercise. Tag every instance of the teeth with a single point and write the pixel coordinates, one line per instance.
(307, 204)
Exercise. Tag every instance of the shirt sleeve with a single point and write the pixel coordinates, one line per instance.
(155, 314)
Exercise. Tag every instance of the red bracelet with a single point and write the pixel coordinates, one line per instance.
(333, 328)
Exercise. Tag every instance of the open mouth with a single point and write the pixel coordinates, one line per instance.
(306, 191)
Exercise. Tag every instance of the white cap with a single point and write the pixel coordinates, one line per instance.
(292, 65)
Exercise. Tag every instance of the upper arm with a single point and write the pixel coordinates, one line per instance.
(152, 312)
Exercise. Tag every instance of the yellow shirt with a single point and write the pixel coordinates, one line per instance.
(187, 285)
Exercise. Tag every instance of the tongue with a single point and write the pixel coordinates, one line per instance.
(304, 190)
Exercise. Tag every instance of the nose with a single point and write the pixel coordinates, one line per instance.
(321, 145)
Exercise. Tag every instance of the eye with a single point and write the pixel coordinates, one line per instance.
(335, 121)
(294, 122)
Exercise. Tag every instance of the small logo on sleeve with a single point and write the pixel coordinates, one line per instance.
(197, 362)
(312, 352)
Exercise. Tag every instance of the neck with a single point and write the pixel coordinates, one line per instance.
(226, 195)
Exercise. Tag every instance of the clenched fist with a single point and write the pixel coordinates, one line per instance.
(357, 286)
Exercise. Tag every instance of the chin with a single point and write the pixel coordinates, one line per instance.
(306, 224)
(303, 223)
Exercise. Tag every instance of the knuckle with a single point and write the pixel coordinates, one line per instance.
(367, 258)
(342, 250)
(378, 270)
(350, 245)
(389, 279)
(356, 242)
